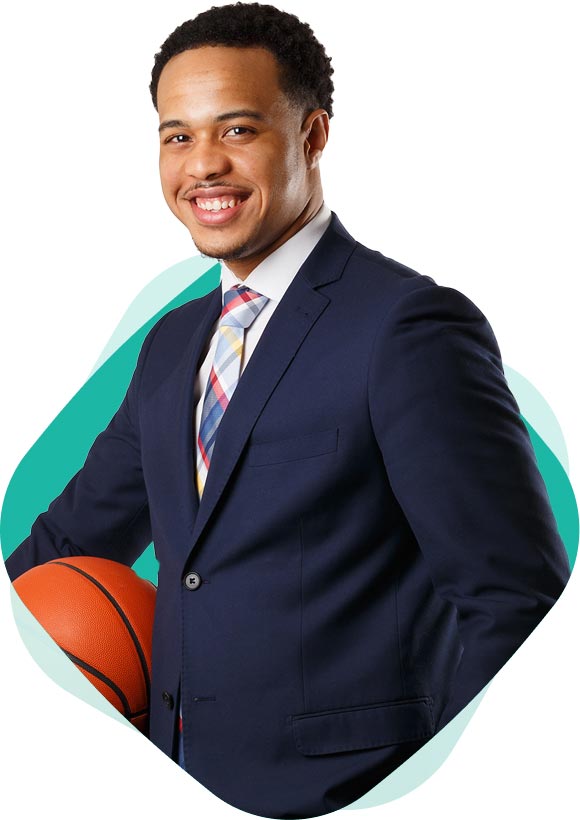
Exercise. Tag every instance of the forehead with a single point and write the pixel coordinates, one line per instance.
(212, 78)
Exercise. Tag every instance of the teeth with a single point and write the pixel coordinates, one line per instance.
(218, 204)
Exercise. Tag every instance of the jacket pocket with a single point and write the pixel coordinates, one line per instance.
(292, 449)
(363, 727)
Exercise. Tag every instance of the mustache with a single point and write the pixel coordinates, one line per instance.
(208, 186)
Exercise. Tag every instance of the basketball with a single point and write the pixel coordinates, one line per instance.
(100, 613)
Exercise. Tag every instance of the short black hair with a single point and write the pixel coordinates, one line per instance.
(305, 69)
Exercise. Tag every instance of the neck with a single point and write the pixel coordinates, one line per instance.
(243, 267)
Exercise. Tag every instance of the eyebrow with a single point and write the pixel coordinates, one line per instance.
(172, 124)
(228, 115)
(243, 112)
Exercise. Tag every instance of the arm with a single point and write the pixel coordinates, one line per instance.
(103, 510)
(462, 467)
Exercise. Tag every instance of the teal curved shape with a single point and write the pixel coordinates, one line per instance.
(168, 287)
(560, 493)
(60, 452)
(534, 406)
(62, 449)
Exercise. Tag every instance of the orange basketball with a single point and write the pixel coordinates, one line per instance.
(100, 613)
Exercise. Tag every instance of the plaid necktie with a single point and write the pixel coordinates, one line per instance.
(241, 306)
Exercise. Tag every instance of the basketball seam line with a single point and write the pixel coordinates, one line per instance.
(124, 618)
(98, 674)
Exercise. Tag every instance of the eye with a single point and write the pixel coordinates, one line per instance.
(177, 139)
(239, 131)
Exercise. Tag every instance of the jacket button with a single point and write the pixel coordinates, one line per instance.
(192, 580)
(168, 700)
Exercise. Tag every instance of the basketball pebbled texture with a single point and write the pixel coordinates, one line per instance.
(100, 613)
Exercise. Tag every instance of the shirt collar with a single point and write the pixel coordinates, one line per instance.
(274, 274)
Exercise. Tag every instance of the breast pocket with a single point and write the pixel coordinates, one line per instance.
(293, 449)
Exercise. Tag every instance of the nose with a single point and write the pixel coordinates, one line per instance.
(207, 159)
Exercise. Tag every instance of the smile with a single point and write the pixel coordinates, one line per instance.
(217, 210)
(221, 203)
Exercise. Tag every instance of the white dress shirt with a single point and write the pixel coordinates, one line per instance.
(271, 278)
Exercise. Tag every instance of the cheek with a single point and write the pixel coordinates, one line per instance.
(170, 177)
(289, 176)
(272, 170)
(277, 182)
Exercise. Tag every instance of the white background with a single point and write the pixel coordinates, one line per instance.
(454, 149)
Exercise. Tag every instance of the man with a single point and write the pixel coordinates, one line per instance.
(352, 533)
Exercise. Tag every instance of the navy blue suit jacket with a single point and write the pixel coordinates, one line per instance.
(374, 539)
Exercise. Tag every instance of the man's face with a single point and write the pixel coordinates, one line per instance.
(236, 165)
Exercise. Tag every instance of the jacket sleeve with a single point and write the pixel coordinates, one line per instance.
(462, 467)
(103, 510)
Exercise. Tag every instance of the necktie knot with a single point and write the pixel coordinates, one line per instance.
(241, 306)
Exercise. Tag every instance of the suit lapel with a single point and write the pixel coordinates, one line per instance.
(184, 453)
(293, 319)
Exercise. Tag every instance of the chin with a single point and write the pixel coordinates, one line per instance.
(221, 250)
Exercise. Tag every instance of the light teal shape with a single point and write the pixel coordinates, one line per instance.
(534, 407)
(61, 450)
(55, 663)
(420, 766)
(163, 289)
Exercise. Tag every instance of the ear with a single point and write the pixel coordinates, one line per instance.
(315, 129)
